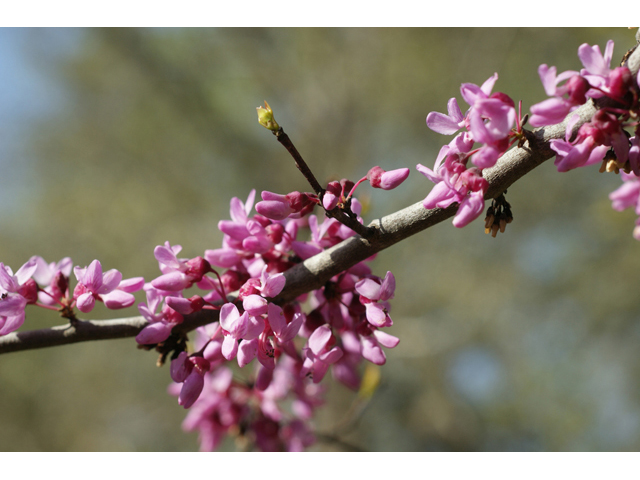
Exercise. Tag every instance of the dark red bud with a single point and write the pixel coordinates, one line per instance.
(608, 123)
(577, 88)
(200, 364)
(29, 290)
(232, 280)
(621, 81)
(196, 268)
(197, 302)
(60, 284)
(374, 175)
(275, 232)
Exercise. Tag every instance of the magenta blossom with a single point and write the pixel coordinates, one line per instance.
(178, 274)
(16, 291)
(318, 355)
(53, 278)
(374, 296)
(108, 287)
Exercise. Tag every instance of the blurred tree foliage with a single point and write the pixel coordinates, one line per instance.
(523, 342)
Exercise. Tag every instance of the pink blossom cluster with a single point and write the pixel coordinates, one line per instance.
(47, 285)
(282, 351)
(337, 194)
(489, 121)
(611, 136)
(604, 138)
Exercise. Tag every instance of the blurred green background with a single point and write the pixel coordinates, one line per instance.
(114, 141)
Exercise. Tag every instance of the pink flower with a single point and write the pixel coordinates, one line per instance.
(554, 110)
(109, 288)
(238, 327)
(178, 274)
(374, 296)
(446, 124)
(586, 149)
(190, 372)
(318, 355)
(16, 291)
(53, 278)
(279, 207)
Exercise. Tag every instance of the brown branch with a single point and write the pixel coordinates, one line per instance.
(314, 272)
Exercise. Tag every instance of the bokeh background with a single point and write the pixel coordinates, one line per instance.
(114, 141)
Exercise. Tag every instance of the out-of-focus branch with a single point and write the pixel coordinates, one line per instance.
(314, 272)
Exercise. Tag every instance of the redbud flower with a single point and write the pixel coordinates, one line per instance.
(16, 291)
(374, 296)
(318, 356)
(178, 273)
(379, 178)
(237, 327)
(190, 372)
(94, 285)
(53, 277)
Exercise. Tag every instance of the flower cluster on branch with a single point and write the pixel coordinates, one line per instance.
(256, 371)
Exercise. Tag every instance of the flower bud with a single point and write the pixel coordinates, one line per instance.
(380, 178)
(331, 196)
(577, 87)
(265, 118)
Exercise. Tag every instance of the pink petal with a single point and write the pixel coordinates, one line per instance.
(277, 322)
(274, 285)
(222, 257)
(118, 299)
(331, 356)
(131, 285)
(441, 123)
(255, 305)
(12, 323)
(154, 333)
(388, 286)
(376, 315)
(228, 316)
(191, 389)
(385, 339)
(166, 256)
(92, 277)
(229, 347)
(86, 302)
(368, 288)
(319, 339)
(171, 282)
(247, 351)
(372, 351)
(291, 330)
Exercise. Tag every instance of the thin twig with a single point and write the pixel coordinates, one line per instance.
(284, 139)
(336, 213)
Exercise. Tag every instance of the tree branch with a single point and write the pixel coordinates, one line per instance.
(314, 272)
